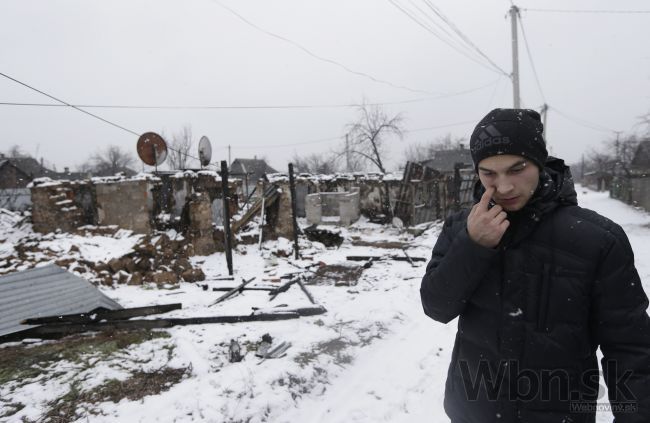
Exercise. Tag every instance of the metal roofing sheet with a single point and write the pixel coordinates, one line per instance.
(46, 291)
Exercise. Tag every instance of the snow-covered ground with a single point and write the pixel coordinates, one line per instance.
(372, 357)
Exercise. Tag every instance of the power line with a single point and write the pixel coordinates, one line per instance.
(530, 58)
(70, 105)
(582, 122)
(588, 11)
(340, 138)
(466, 39)
(411, 16)
(250, 107)
(321, 58)
(88, 113)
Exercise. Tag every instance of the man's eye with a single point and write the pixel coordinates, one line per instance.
(488, 173)
(516, 170)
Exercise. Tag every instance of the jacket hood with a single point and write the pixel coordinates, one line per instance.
(555, 189)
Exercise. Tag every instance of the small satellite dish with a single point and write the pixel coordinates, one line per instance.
(152, 149)
(397, 222)
(205, 151)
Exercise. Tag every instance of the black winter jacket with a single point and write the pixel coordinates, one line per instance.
(533, 311)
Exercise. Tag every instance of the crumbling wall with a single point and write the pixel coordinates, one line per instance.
(200, 232)
(126, 203)
(54, 207)
(343, 206)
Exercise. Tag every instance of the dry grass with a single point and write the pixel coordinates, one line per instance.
(75, 403)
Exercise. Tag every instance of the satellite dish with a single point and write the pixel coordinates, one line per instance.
(397, 222)
(152, 149)
(205, 151)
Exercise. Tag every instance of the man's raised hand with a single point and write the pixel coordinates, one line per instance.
(485, 225)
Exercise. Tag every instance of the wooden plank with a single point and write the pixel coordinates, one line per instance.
(255, 288)
(227, 233)
(269, 197)
(232, 291)
(304, 289)
(125, 313)
(69, 328)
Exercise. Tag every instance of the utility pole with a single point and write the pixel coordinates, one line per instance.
(347, 153)
(544, 129)
(229, 161)
(514, 11)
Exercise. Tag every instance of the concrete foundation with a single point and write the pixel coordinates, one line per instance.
(333, 207)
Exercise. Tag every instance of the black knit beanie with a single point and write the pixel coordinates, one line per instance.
(509, 131)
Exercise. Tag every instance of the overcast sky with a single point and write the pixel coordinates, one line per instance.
(593, 68)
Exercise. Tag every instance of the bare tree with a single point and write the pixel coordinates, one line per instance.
(422, 151)
(325, 164)
(110, 161)
(180, 147)
(16, 151)
(367, 136)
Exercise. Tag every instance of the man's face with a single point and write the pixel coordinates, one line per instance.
(513, 177)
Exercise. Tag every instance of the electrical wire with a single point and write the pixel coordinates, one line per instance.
(582, 122)
(462, 36)
(530, 58)
(588, 11)
(321, 58)
(253, 107)
(435, 34)
(340, 138)
(70, 105)
(64, 103)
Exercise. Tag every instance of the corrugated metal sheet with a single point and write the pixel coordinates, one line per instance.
(46, 291)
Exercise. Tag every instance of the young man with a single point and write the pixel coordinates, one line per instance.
(539, 284)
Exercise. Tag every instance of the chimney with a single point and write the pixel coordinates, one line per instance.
(462, 146)
(2, 155)
(66, 170)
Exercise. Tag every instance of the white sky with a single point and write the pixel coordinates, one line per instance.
(592, 67)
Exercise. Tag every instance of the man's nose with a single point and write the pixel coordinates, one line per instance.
(504, 186)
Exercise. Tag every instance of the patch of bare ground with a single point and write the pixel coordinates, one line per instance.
(24, 362)
(76, 403)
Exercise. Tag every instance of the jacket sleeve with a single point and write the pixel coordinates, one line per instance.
(456, 268)
(621, 327)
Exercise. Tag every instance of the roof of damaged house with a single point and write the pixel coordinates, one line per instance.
(444, 160)
(30, 166)
(255, 168)
(46, 291)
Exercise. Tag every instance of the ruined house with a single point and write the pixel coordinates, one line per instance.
(633, 186)
(250, 171)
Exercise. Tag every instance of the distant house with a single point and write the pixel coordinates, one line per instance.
(250, 171)
(641, 160)
(12, 176)
(444, 160)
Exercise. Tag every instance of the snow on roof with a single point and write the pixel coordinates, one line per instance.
(356, 176)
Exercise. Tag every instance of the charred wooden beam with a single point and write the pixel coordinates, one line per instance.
(232, 292)
(70, 328)
(97, 316)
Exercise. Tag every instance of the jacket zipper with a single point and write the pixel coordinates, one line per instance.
(544, 295)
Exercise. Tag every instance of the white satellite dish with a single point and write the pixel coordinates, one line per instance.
(205, 151)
